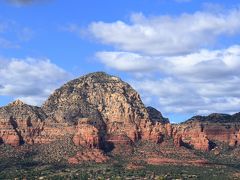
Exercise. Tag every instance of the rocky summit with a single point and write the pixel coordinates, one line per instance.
(99, 110)
(98, 117)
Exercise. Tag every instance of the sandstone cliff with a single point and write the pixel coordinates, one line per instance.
(20, 123)
(100, 111)
(203, 131)
(111, 106)
(97, 109)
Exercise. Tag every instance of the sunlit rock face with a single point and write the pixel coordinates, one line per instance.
(95, 109)
(98, 96)
(203, 131)
(20, 123)
(100, 111)
(111, 105)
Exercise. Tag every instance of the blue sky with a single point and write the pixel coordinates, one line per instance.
(183, 56)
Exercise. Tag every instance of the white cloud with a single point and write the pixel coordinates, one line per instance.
(126, 61)
(204, 65)
(31, 80)
(167, 35)
(176, 61)
(175, 96)
(199, 82)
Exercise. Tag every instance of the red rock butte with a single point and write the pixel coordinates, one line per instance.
(101, 112)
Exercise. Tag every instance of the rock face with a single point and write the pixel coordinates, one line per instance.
(156, 116)
(96, 109)
(200, 142)
(151, 132)
(178, 140)
(202, 131)
(23, 113)
(20, 123)
(90, 155)
(87, 135)
(119, 144)
(100, 111)
(112, 105)
(98, 96)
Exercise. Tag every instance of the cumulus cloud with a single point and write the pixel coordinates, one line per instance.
(200, 82)
(199, 66)
(175, 61)
(126, 61)
(167, 35)
(174, 96)
(31, 80)
(206, 65)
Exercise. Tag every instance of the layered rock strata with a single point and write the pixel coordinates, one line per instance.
(103, 112)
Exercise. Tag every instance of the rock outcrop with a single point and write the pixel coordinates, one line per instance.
(178, 140)
(100, 111)
(8, 134)
(95, 109)
(94, 155)
(87, 135)
(98, 96)
(20, 123)
(203, 131)
(191, 135)
(151, 132)
(200, 142)
(119, 144)
(156, 116)
(112, 105)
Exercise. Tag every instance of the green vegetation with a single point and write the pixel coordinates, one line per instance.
(17, 163)
(27, 168)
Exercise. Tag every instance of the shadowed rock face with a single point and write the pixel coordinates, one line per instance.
(216, 118)
(156, 116)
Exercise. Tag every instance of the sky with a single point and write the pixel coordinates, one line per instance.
(182, 56)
